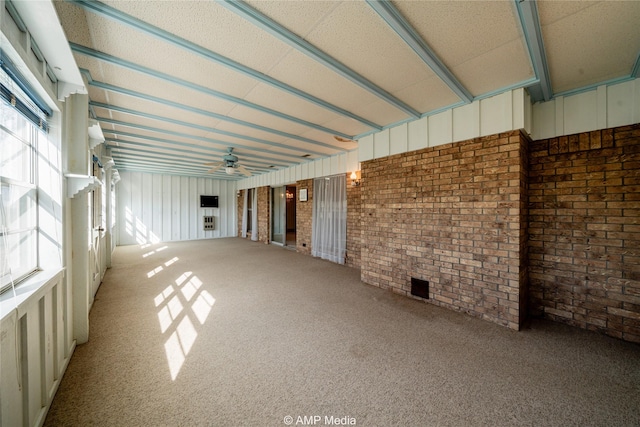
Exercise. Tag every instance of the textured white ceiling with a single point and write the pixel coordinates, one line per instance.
(589, 42)
(481, 43)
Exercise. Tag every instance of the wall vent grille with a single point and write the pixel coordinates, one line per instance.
(420, 288)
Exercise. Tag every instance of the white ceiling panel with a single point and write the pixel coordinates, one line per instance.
(460, 30)
(135, 46)
(339, 145)
(266, 120)
(277, 91)
(317, 80)
(505, 65)
(74, 22)
(356, 36)
(117, 129)
(157, 88)
(146, 107)
(348, 125)
(269, 96)
(427, 95)
(159, 125)
(299, 17)
(251, 132)
(611, 30)
(475, 39)
(211, 26)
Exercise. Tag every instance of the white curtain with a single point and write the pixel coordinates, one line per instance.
(254, 214)
(329, 222)
(245, 211)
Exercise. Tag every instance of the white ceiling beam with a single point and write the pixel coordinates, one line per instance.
(281, 33)
(401, 26)
(528, 13)
(119, 16)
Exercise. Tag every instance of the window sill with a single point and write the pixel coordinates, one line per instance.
(28, 292)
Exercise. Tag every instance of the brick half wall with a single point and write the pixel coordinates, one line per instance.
(354, 222)
(584, 244)
(304, 211)
(450, 215)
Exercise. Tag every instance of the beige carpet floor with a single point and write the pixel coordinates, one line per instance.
(228, 332)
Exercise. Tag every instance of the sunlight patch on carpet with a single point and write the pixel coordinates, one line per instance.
(176, 312)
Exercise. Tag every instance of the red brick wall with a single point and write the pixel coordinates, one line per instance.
(304, 212)
(240, 208)
(450, 215)
(584, 230)
(354, 223)
(264, 214)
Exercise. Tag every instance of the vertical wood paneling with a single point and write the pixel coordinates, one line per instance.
(620, 104)
(32, 387)
(137, 191)
(601, 106)
(365, 148)
(352, 161)
(184, 208)
(559, 121)
(326, 166)
(34, 353)
(381, 144)
(147, 203)
(11, 402)
(176, 219)
(581, 113)
(398, 142)
(466, 121)
(156, 214)
(317, 169)
(544, 119)
(167, 208)
(340, 163)
(418, 135)
(496, 114)
(441, 128)
(47, 345)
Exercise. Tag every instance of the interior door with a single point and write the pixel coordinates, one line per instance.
(278, 215)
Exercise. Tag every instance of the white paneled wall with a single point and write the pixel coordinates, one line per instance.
(604, 107)
(154, 208)
(36, 344)
(499, 113)
(601, 108)
(342, 163)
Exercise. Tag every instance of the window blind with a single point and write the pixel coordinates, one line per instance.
(23, 98)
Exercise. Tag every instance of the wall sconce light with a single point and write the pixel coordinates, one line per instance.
(354, 179)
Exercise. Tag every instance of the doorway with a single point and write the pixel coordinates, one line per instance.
(283, 215)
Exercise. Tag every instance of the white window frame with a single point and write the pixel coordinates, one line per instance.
(11, 275)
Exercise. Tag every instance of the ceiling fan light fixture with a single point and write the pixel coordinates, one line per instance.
(229, 170)
(341, 139)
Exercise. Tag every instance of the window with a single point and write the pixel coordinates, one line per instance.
(19, 140)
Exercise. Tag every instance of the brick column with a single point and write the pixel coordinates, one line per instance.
(450, 215)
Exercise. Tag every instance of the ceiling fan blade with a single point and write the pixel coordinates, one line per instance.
(244, 171)
(215, 167)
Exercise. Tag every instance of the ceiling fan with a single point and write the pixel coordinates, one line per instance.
(229, 163)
